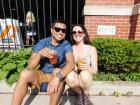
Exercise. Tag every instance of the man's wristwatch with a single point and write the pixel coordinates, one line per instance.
(59, 75)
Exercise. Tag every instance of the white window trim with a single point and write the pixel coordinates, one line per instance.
(112, 10)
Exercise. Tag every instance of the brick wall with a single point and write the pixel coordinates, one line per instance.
(136, 1)
(121, 23)
(127, 27)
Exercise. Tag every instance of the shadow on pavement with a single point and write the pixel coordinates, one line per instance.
(30, 99)
(68, 95)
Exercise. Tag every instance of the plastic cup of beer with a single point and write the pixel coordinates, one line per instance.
(53, 60)
(81, 61)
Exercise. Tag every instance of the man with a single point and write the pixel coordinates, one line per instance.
(52, 73)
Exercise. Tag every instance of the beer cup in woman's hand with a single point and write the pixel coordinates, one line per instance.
(81, 64)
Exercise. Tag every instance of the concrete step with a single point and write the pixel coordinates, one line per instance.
(5, 99)
(106, 88)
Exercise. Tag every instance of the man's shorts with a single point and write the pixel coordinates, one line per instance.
(41, 77)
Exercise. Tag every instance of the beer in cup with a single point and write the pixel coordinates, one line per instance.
(81, 61)
(53, 60)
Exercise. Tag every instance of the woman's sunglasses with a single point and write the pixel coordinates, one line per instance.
(75, 32)
(57, 29)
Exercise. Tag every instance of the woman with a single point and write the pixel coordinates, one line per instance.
(30, 24)
(80, 79)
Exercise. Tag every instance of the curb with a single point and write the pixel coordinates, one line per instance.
(98, 88)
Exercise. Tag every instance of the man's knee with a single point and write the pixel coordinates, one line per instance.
(26, 75)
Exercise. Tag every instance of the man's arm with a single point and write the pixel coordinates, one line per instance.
(54, 83)
(35, 57)
(70, 64)
(34, 61)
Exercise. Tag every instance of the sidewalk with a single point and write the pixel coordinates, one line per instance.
(107, 88)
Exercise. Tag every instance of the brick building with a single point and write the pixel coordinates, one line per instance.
(113, 18)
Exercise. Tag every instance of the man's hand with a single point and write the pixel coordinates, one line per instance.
(46, 52)
(53, 85)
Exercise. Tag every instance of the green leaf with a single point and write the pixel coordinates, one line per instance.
(2, 63)
(12, 79)
(3, 74)
(22, 64)
(9, 66)
(117, 93)
(3, 54)
(25, 53)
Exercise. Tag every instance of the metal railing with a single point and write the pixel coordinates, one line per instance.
(13, 27)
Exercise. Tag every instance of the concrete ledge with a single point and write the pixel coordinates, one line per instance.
(5, 99)
(68, 98)
(108, 87)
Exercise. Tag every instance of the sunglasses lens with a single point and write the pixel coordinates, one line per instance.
(73, 32)
(63, 30)
(59, 29)
(56, 29)
(79, 32)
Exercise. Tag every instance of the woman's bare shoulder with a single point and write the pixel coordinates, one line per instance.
(73, 46)
(92, 49)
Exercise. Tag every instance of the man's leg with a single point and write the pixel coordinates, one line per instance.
(54, 98)
(22, 86)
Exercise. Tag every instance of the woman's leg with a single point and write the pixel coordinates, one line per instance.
(27, 39)
(33, 40)
(85, 79)
(73, 82)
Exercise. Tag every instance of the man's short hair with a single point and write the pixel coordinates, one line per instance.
(58, 21)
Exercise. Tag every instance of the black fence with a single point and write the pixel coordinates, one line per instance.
(13, 19)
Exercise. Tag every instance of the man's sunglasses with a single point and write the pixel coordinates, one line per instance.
(57, 29)
(75, 32)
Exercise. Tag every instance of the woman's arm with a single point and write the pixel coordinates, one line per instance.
(94, 61)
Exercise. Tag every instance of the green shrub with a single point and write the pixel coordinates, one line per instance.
(101, 76)
(118, 55)
(12, 63)
(125, 76)
(119, 59)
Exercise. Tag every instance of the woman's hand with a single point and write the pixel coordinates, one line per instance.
(83, 66)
